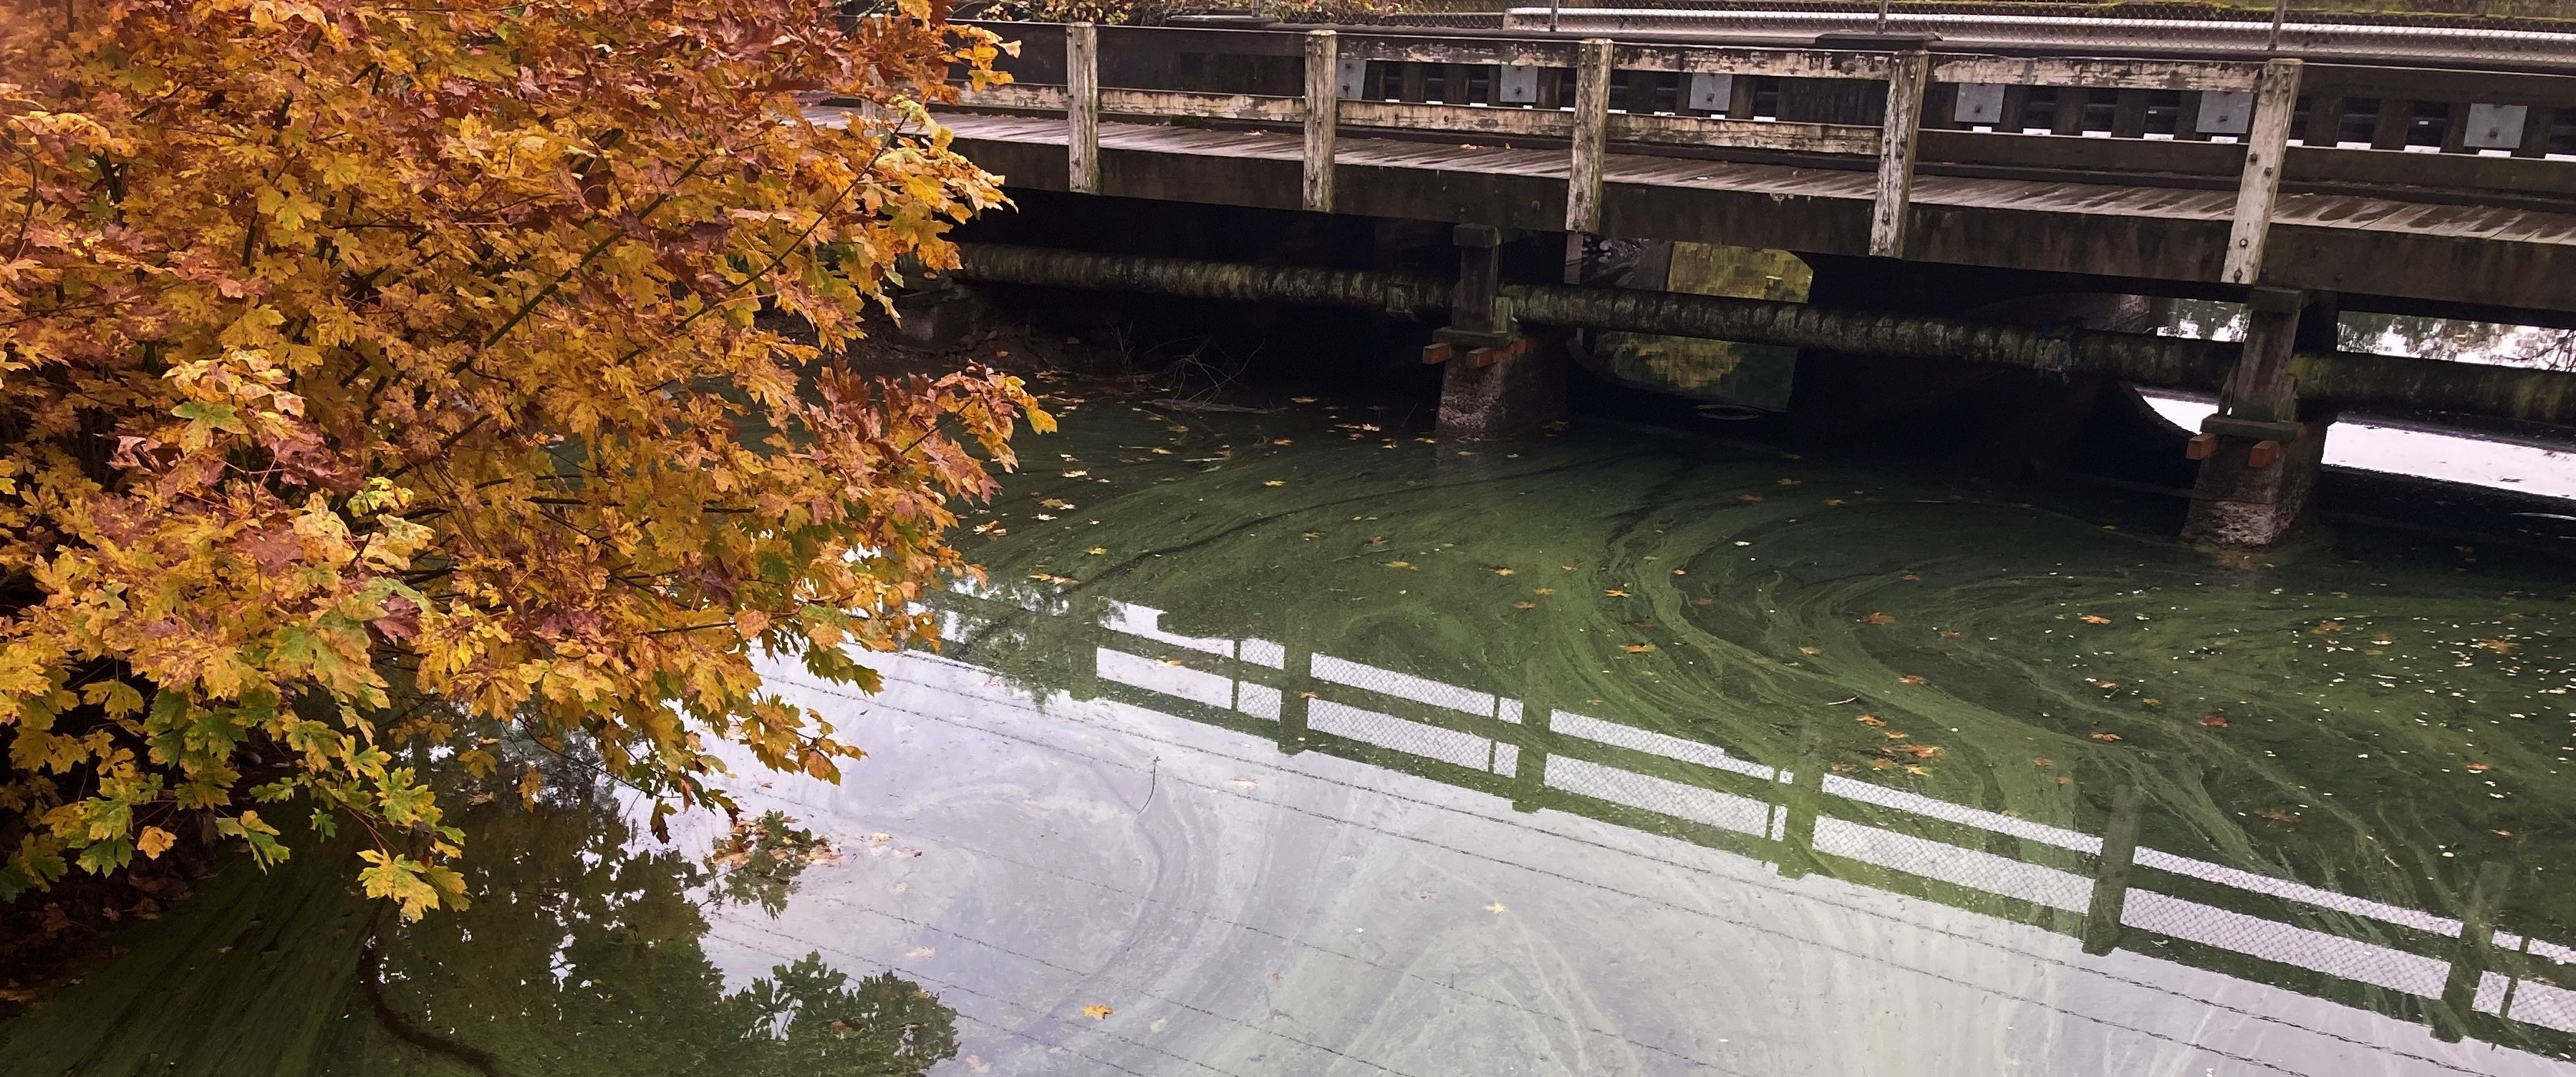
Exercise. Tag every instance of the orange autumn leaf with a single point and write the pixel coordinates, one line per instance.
(2106, 737)
(1876, 618)
(2094, 619)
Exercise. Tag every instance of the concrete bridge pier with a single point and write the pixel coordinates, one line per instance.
(2261, 453)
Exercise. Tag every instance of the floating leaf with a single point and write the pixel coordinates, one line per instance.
(1871, 720)
(1637, 648)
(1910, 679)
(1274, 482)
(1876, 618)
(1616, 593)
(1811, 650)
(1399, 564)
(2106, 737)
(2477, 768)
(2094, 619)
(2041, 761)
(2499, 646)
(1097, 1012)
(2214, 721)
(1502, 572)
(1097, 550)
(1524, 604)
(1496, 908)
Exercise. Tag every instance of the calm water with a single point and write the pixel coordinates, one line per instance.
(1279, 743)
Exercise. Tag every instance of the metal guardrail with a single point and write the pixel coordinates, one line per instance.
(2459, 973)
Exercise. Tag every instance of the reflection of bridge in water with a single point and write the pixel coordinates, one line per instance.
(2460, 973)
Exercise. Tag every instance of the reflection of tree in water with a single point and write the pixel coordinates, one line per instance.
(2394, 334)
(581, 954)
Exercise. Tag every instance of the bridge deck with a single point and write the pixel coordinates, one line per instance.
(2483, 254)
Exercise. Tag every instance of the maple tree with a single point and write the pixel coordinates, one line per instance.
(386, 377)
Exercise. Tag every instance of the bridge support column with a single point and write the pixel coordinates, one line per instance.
(2259, 457)
(1499, 383)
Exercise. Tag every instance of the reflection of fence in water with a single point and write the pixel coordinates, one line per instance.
(2462, 977)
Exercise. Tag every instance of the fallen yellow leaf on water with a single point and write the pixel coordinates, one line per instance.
(1681, 572)
(1281, 441)
(2499, 646)
(2479, 768)
(1638, 648)
(1883, 764)
(2324, 627)
(1918, 771)
(2106, 736)
(1496, 908)
(1159, 451)
(1834, 501)
(1313, 535)
(1949, 635)
(1615, 593)
(2105, 684)
(1275, 482)
(1524, 604)
(2041, 761)
(2151, 703)
(1871, 720)
(1399, 564)
(2214, 721)
(1545, 591)
(1811, 650)
(2094, 619)
(1876, 618)
(1097, 550)
(1502, 572)
(1894, 734)
(1097, 1012)
(1910, 679)
(1076, 474)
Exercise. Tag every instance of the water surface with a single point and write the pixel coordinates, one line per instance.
(1287, 743)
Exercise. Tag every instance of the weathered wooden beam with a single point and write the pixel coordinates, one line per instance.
(1082, 108)
(1591, 127)
(2384, 383)
(1017, 96)
(1895, 193)
(2101, 74)
(2276, 96)
(1322, 112)
(1746, 134)
(1464, 119)
(1778, 63)
(1415, 50)
(1255, 108)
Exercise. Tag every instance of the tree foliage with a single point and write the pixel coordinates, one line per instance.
(377, 374)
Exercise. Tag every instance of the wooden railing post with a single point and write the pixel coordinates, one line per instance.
(2276, 96)
(1905, 82)
(1323, 111)
(1082, 108)
(1591, 129)
(2111, 874)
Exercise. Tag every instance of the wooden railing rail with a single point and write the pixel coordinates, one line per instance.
(1525, 94)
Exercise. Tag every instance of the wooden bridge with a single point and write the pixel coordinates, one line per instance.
(2414, 189)
(2298, 188)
